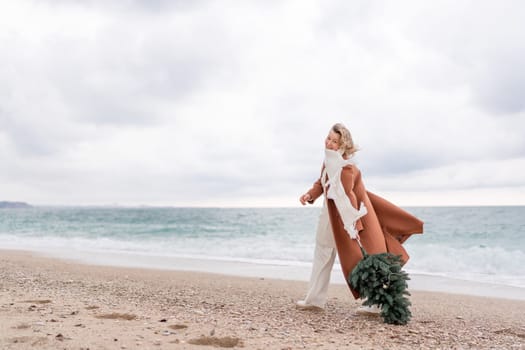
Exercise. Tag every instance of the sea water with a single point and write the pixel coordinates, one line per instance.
(477, 244)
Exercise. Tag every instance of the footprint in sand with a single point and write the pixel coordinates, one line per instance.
(91, 307)
(34, 341)
(44, 301)
(177, 326)
(117, 316)
(225, 342)
(520, 333)
(22, 326)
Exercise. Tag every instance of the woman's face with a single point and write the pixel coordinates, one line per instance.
(332, 141)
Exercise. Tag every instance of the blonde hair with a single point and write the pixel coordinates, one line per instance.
(348, 148)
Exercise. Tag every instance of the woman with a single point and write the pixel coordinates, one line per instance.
(349, 213)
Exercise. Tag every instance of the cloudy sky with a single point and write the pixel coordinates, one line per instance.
(227, 103)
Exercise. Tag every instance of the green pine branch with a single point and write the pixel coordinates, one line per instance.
(380, 279)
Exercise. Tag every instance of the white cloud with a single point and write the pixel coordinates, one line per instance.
(216, 103)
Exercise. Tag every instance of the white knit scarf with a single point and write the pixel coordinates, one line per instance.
(334, 163)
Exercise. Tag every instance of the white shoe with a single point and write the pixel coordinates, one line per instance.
(301, 304)
(373, 310)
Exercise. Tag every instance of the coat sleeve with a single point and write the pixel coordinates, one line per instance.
(348, 179)
(317, 189)
(397, 222)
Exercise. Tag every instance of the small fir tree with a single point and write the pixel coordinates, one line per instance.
(380, 279)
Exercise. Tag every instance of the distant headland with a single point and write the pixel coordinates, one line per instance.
(6, 204)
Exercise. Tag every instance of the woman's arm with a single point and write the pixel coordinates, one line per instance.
(350, 175)
(313, 193)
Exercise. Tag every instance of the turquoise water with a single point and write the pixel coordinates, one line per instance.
(484, 244)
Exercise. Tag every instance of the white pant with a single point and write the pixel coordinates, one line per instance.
(324, 257)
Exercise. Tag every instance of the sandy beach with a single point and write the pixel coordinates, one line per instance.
(48, 303)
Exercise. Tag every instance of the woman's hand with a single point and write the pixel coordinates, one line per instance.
(305, 198)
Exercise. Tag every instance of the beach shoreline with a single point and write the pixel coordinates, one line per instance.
(270, 269)
(49, 303)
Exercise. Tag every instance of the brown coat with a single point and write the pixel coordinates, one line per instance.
(382, 229)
